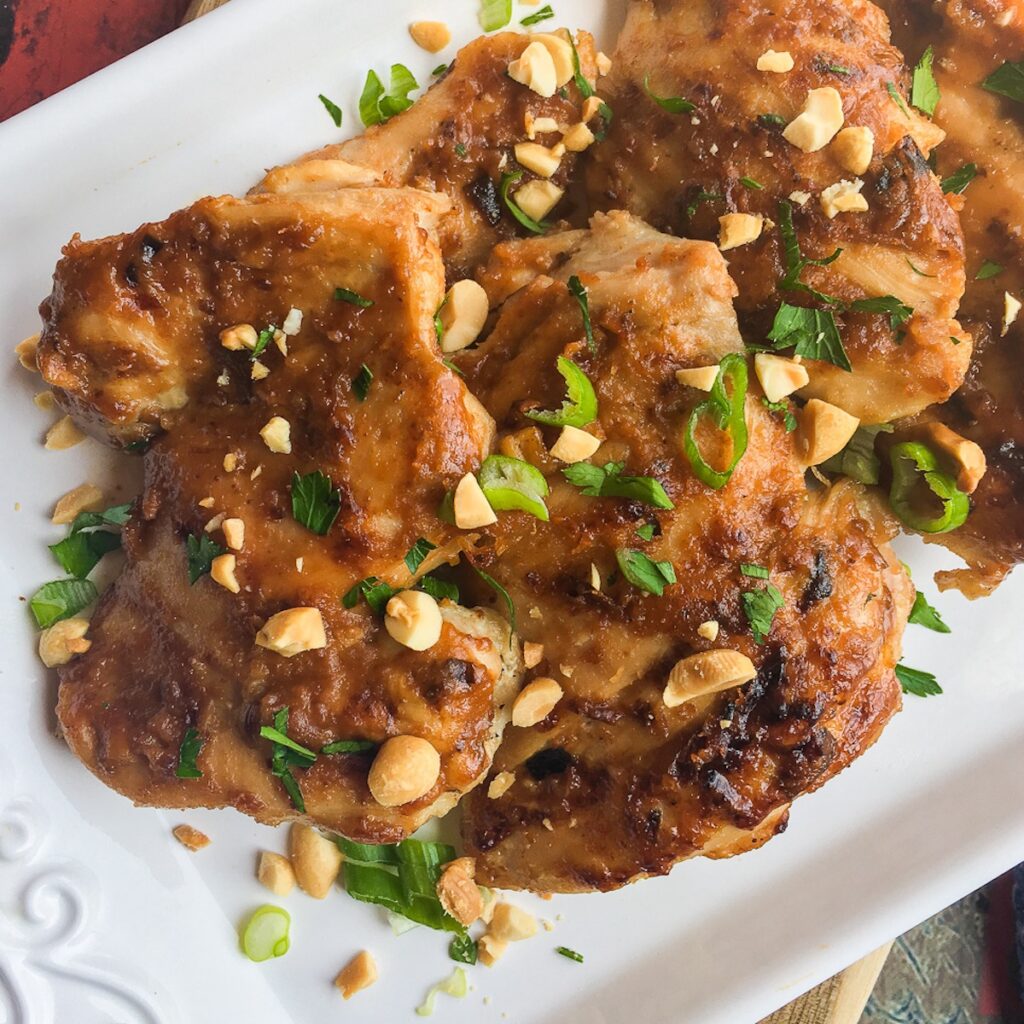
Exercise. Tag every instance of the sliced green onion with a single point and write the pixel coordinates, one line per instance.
(454, 985)
(538, 16)
(896, 98)
(494, 14)
(913, 464)
(580, 405)
(361, 383)
(728, 413)
(351, 297)
(569, 954)
(510, 483)
(266, 933)
(858, 460)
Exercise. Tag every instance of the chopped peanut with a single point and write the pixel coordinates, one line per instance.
(853, 148)
(604, 64)
(293, 631)
(84, 498)
(189, 837)
(591, 108)
(816, 125)
(206, 502)
(800, 198)
(413, 619)
(500, 785)
(222, 571)
(965, 458)
(511, 923)
(62, 435)
(534, 126)
(538, 198)
(463, 315)
(736, 229)
(292, 323)
(535, 702)
(432, 36)
(1011, 310)
(471, 507)
(578, 138)
(779, 376)
(779, 61)
(490, 949)
(595, 577)
(277, 435)
(405, 769)
(359, 973)
(239, 337)
(45, 401)
(822, 431)
(539, 159)
(843, 197)
(574, 445)
(214, 523)
(234, 533)
(532, 654)
(230, 462)
(708, 630)
(276, 873)
(535, 69)
(560, 51)
(706, 672)
(315, 860)
(701, 377)
(259, 370)
(26, 352)
(62, 641)
(458, 892)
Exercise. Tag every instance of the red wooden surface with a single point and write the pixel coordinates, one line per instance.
(46, 45)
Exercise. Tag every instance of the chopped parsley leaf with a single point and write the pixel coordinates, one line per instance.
(361, 384)
(377, 106)
(751, 183)
(376, 592)
(503, 594)
(771, 120)
(586, 90)
(923, 614)
(78, 553)
(348, 747)
(263, 339)
(702, 197)
(333, 109)
(645, 532)
(838, 69)
(191, 744)
(462, 949)
(917, 682)
(415, 555)
(201, 551)
(285, 755)
(643, 572)
(795, 260)
(315, 501)
(673, 104)
(438, 589)
(608, 481)
(917, 270)
(760, 607)
(579, 293)
(959, 180)
(61, 599)
(784, 410)
(896, 98)
(439, 70)
(899, 312)
(924, 90)
(811, 333)
(460, 149)
(988, 270)
(757, 572)
(1007, 80)
(538, 16)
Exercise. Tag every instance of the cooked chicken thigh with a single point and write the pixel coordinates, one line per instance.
(722, 147)
(356, 390)
(615, 783)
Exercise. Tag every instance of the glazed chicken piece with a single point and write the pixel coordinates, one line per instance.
(614, 783)
(721, 150)
(970, 41)
(356, 390)
(459, 139)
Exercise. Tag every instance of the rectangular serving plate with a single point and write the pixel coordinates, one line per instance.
(109, 919)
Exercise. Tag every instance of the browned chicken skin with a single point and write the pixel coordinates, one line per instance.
(657, 164)
(971, 40)
(167, 656)
(614, 784)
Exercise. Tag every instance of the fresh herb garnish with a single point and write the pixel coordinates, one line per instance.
(673, 104)
(924, 90)
(348, 747)
(333, 109)
(538, 227)
(586, 90)
(503, 594)
(760, 607)
(580, 405)
(263, 339)
(61, 599)
(494, 14)
(1007, 80)
(917, 270)
(449, 365)
(783, 409)
(78, 553)
(899, 312)
(462, 949)
(376, 592)
(858, 460)
(838, 69)
(438, 589)
(728, 413)
(959, 180)
(285, 755)
(917, 682)
(751, 183)
(579, 293)
(361, 383)
(377, 106)
(606, 115)
(643, 572)
(608, 481)
(646, 532)
(191, 744)
(201, 550)
(811, 333)
(795, 260)
(415, 555)
(896, 98)
(570, 954)
(116, 515)
(315, 501)
(454, 985)
(439, 70)
(987, 270)
(771, 120)
(347, 295)
(913, 465)
(923, 614)
(512, 484)
(460, 149)
(533, 19)
(702, 197)
(757, 572)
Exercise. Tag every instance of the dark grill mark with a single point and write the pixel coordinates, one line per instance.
(820, 584)
(550, 761)
(485, 195)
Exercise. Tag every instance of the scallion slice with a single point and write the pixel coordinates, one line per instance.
(454, 985)
(266, 933)
(728, 413)
(512, 484)
(914, 464)
(580, 405)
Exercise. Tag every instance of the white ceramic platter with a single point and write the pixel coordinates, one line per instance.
(103, 917)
